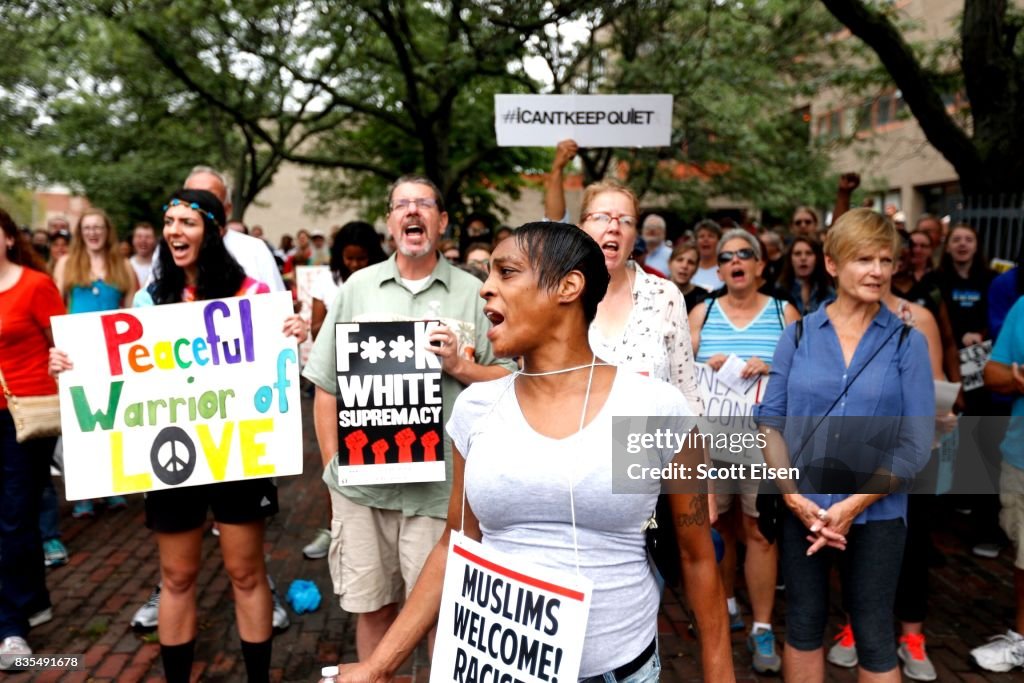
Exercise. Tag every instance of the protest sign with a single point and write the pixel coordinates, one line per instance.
(179, 395)
(972, 364)
(728, 410)
(305, 276)
(590, 120)
(389, 404)
(504, 620)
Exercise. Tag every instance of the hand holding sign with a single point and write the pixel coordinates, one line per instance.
(445, 345)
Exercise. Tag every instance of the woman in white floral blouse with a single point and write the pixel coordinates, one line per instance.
(641, 322)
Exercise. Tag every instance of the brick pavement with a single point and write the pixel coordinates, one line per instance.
(113, 568)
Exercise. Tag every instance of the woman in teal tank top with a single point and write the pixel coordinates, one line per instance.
(92, 277)
(748, 324)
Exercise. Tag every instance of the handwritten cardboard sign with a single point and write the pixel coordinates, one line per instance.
(179, 395)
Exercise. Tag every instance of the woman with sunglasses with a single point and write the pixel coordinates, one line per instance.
(195, 266)
(744, 322)
(805, 223)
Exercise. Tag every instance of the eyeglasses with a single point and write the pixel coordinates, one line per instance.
(625, 220)
(744, 254)
(421, 203)
(194, 206)
(480, 263)
(803, 221)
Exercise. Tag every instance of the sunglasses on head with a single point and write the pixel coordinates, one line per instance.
(744, 254)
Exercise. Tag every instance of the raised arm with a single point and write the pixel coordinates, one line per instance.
(554, 193)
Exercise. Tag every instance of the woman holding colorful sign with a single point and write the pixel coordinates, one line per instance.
(195, 266)
(533, 477)
(28, 299)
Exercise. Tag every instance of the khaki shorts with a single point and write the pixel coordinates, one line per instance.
(1011, 517)
(747, 495)
(376, 555)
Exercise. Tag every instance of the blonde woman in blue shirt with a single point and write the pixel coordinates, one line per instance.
(835, 364)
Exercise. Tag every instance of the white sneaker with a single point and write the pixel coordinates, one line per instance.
(280, 620)
(1001, 654)
(319, 546)
(145, 618)
(12, 647)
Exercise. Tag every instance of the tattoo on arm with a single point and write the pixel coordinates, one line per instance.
(698, 515)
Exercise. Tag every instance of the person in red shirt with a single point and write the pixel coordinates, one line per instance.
(28, 298)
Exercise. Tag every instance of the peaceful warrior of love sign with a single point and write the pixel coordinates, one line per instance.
(179, 395)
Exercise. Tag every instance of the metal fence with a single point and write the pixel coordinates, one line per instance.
(999, 220)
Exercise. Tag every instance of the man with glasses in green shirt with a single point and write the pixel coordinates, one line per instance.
(381, 535)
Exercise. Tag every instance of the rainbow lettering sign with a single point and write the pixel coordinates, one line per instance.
(179, 395)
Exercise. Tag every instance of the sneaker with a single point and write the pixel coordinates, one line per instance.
(317, 549)
(762, 645)
(145, 618)
(40, 617)
(844, 652)
(13, 646)
(54, 553)
(281, 622)
(83, 509)
(736, 621)
(916, 664)
(1001, 654)
(987, 550)
(116, 503)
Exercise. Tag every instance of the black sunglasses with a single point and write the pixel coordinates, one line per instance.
(744, 254)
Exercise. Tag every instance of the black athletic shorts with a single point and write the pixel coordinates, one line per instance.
(233, 502)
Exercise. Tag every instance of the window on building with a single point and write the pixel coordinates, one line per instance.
(864, 121)
(883, 110)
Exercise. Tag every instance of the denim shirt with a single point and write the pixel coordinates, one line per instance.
(895, 384)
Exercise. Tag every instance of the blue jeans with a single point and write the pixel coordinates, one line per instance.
(648, 673)
(868, 571)
(23, 469)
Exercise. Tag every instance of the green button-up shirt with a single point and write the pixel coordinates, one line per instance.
(377, 294)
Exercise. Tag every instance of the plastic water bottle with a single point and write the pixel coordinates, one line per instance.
(329, 674)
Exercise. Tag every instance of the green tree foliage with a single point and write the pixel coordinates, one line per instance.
(738, 72)
(984, 143)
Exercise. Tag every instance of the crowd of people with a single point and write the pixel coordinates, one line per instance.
(547, 331)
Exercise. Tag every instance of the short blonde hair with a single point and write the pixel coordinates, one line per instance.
(860, 229)
(595, 189)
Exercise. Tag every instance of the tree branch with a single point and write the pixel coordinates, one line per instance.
(913, 81)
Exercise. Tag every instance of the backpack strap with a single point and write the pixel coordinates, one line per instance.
(708, 303)
(799, 332)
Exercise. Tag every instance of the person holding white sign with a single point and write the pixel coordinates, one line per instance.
(381, 534)
(533, 470)
(745, 323)
(194, 265)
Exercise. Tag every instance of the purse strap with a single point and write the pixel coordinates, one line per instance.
(902, 330)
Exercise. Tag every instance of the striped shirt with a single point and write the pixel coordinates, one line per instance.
(758, 338)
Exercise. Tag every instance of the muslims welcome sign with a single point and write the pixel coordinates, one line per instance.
(179, 395)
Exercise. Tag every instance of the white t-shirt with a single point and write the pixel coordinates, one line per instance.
(707, 278)
(255, 258)
(325, 288)
(141, 269)
(517, 484)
